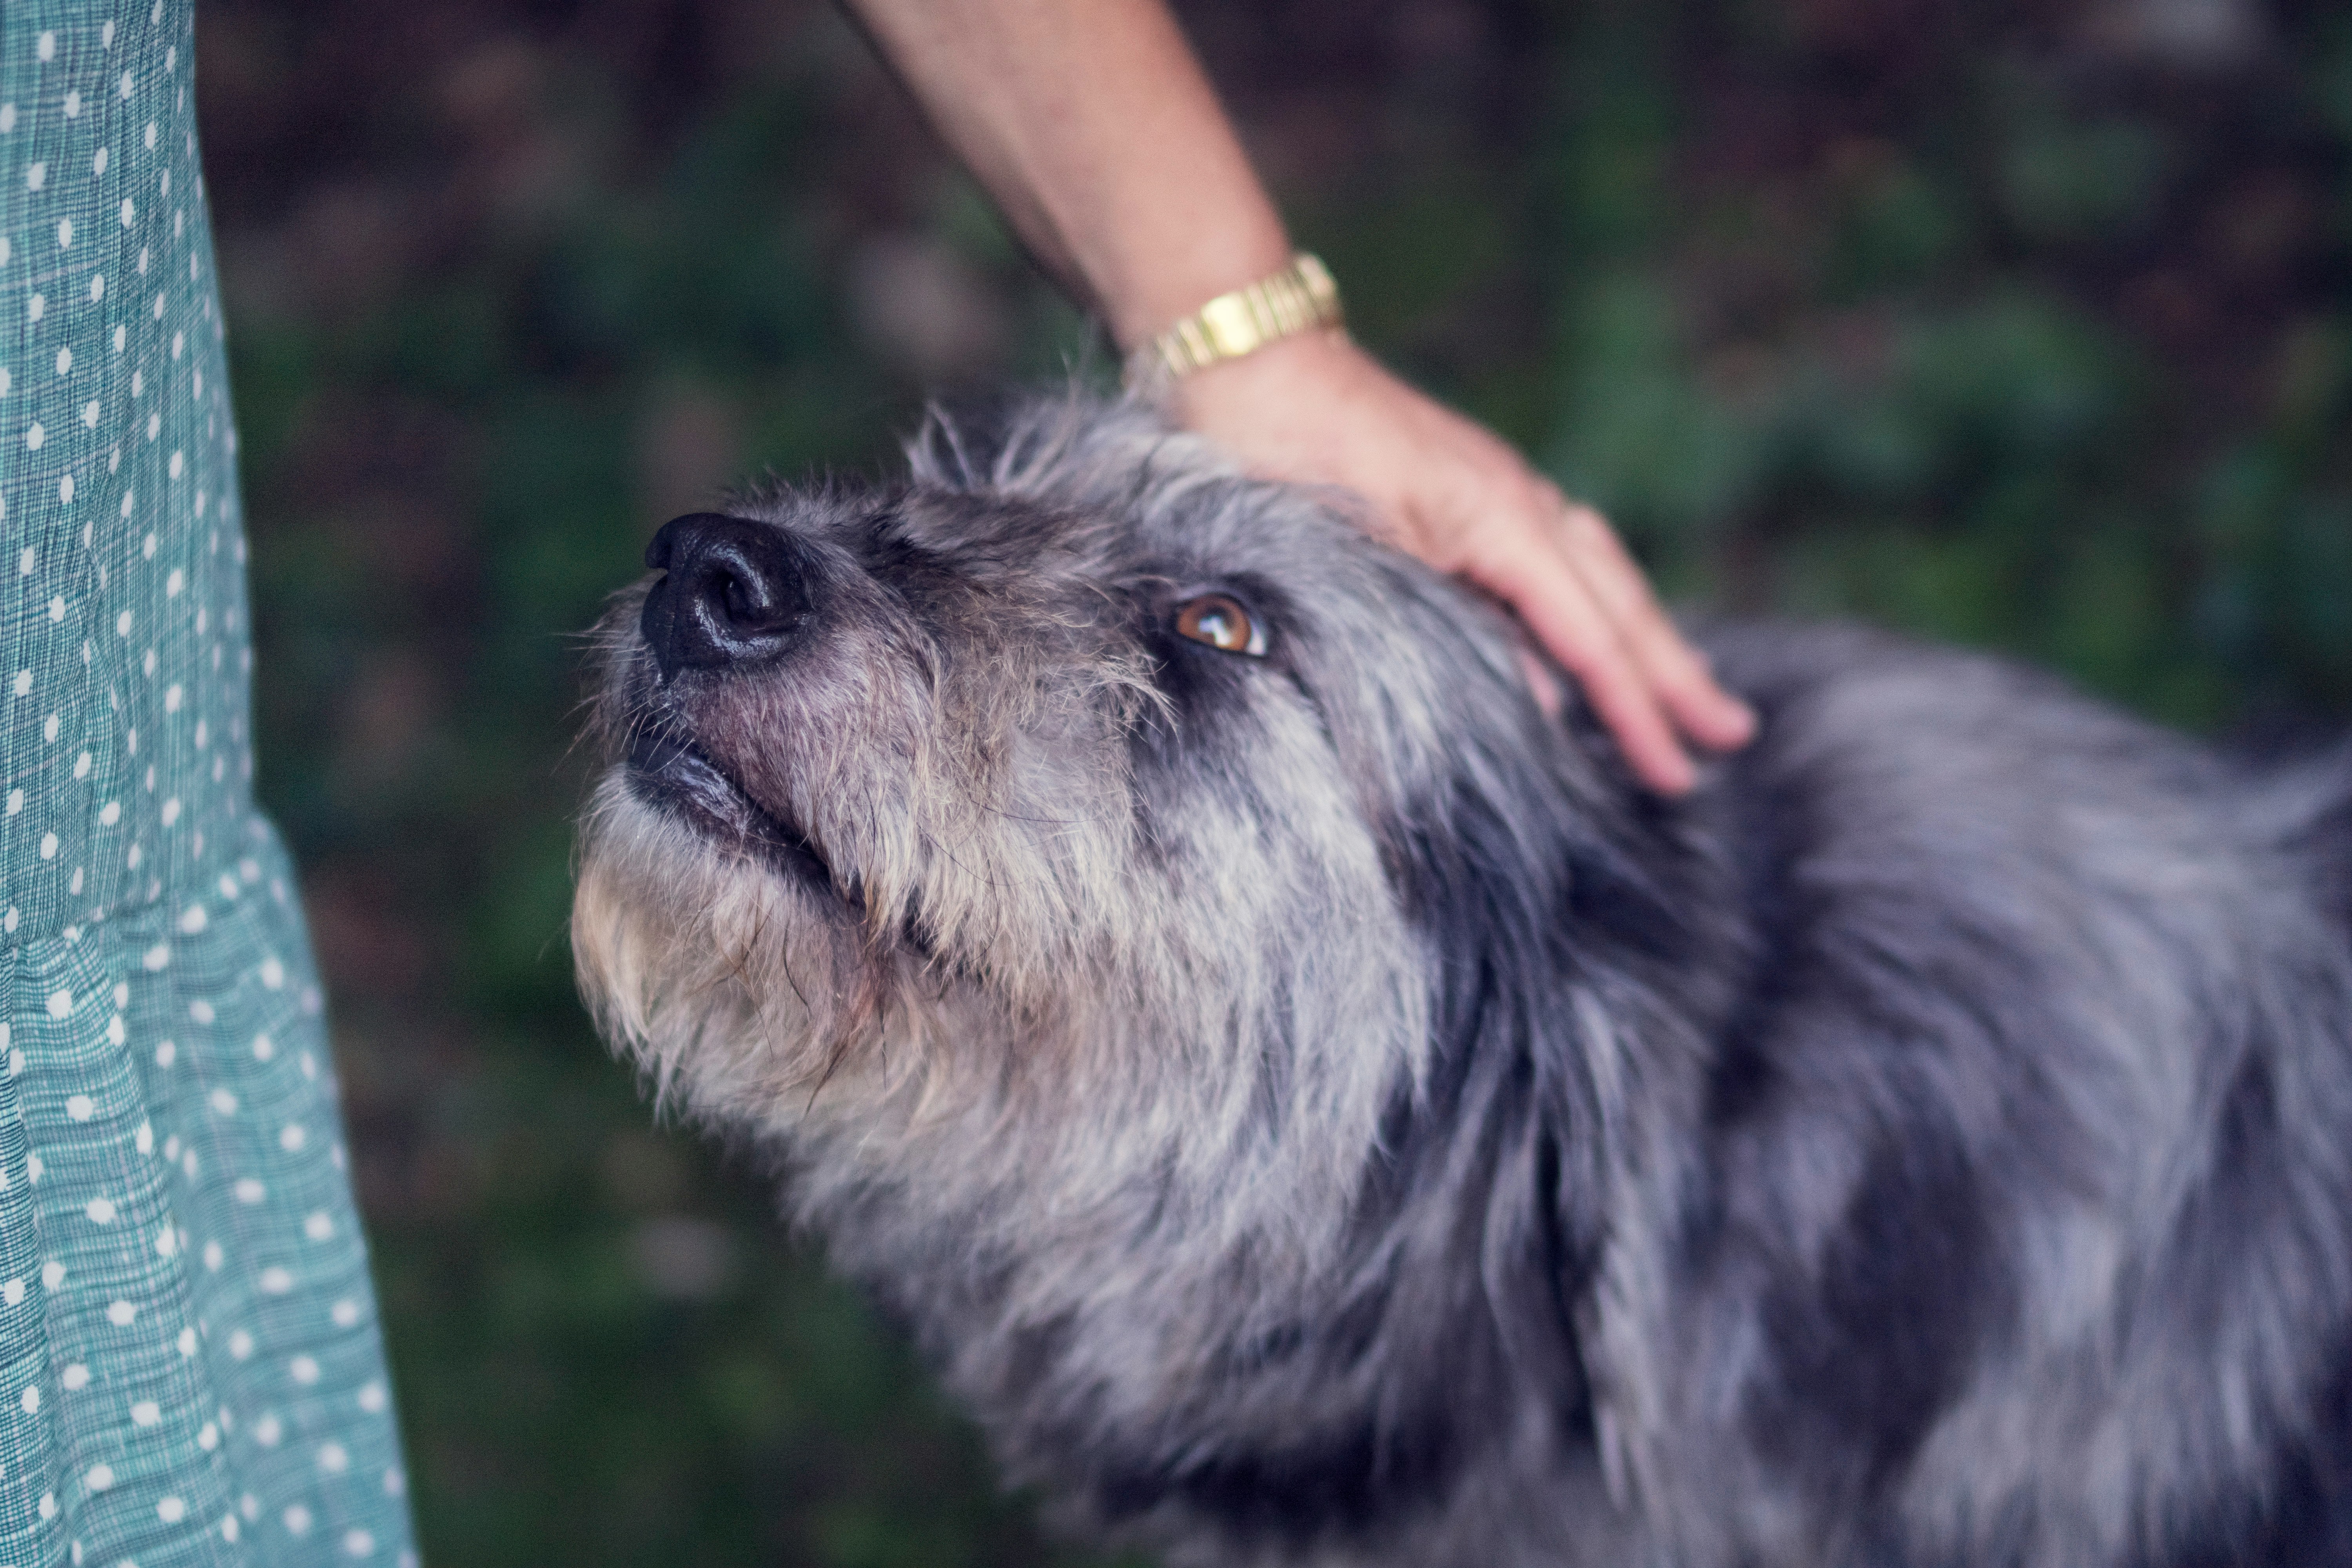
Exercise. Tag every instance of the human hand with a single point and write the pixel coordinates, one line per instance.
(1317, 409)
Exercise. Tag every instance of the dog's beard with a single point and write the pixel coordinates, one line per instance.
(952, 1055)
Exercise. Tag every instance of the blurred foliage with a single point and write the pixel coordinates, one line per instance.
(2023, 326)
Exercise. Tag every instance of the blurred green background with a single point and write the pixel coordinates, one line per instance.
(2028, 325)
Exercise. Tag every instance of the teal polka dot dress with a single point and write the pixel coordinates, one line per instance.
(190, 1367)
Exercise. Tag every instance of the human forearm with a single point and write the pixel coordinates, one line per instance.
(1092, 126)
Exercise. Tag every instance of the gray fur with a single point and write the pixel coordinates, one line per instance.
(1317, 1110)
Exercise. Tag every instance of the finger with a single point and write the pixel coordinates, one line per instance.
(1561, 610)
(1541, 684)
(1676, 672)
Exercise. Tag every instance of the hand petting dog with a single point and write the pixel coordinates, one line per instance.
(1319, 410)
(1096, 132)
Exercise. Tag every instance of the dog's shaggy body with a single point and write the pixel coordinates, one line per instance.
(1317, 1110)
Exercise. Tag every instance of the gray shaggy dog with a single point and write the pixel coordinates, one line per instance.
(1316, 1109)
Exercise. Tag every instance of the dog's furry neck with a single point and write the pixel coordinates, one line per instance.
(1478, 1255)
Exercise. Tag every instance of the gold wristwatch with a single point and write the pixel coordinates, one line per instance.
(1300, 298)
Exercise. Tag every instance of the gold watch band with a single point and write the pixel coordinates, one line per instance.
(1300, 298)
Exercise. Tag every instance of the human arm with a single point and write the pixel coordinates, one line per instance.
(1093, 127)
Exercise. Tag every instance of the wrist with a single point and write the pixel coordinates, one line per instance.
(1296, 301)
(1316, 356)
(1159, 289)
(1312, 382)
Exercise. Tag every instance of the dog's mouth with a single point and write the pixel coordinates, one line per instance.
(669, 771)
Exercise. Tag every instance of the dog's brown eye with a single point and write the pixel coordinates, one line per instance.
(1222, 623)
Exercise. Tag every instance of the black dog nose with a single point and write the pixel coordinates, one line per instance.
(736, 592)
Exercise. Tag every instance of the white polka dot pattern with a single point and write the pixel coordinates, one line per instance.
(190, 1369)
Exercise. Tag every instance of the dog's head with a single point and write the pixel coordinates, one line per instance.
(1078, 785)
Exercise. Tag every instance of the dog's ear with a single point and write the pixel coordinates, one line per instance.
(1483, 805)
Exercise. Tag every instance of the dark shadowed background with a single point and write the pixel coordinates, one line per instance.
(2028, 325)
